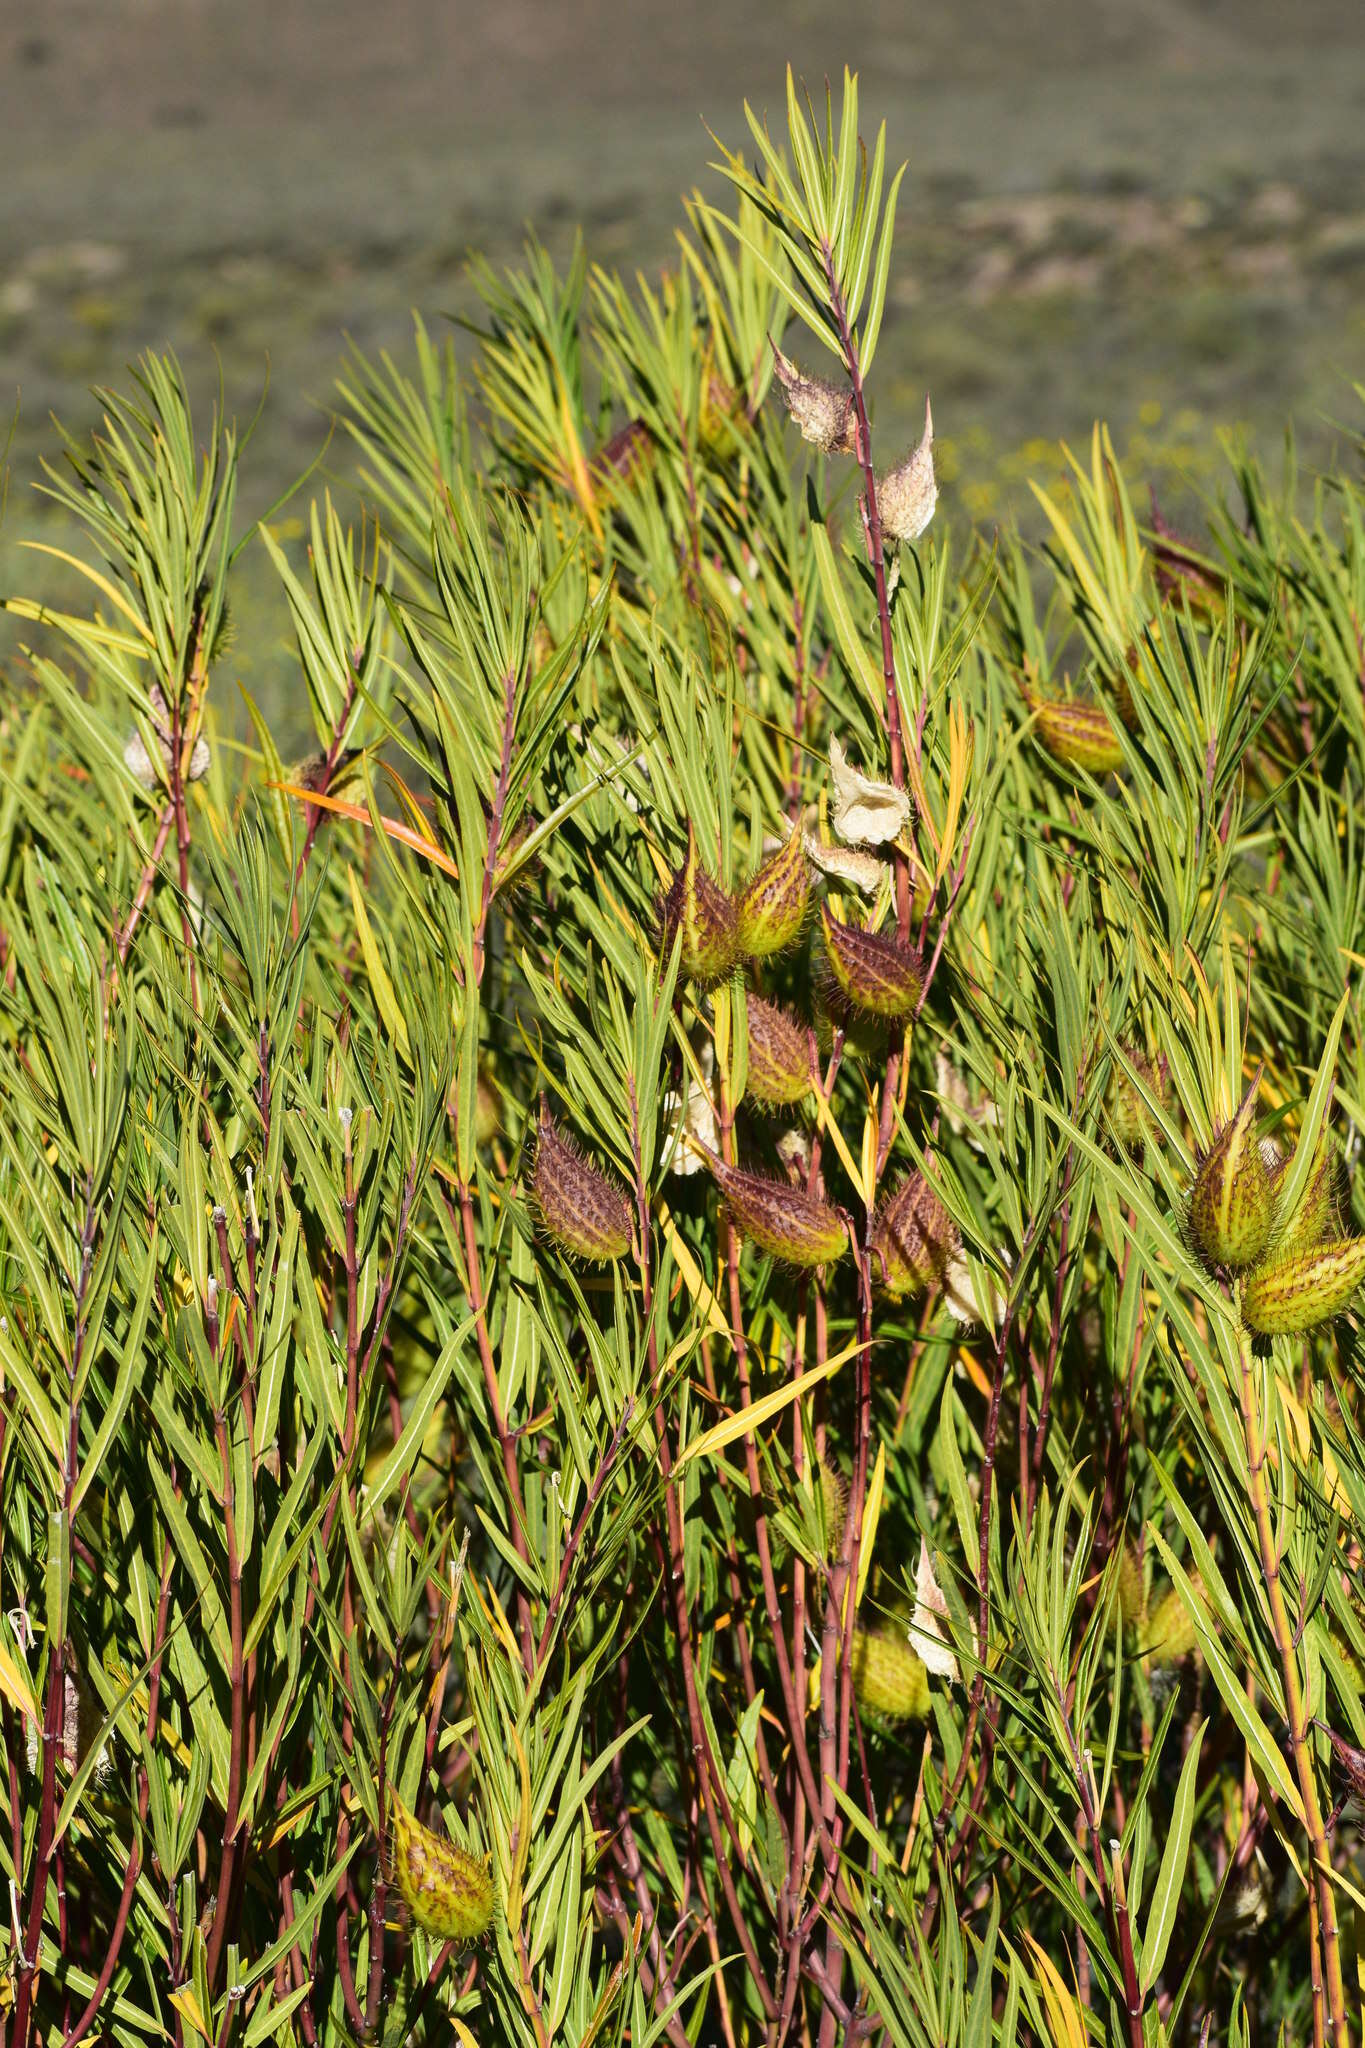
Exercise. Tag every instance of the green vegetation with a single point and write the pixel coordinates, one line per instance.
(675, 1325)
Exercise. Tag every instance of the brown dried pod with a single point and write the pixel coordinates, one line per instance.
(779, 1054)
(872, 970)
(583, 1211)
(772, 910)
(824, 413)
(907, 495)
(794, 1226)
(914, 1240)
(696, 905)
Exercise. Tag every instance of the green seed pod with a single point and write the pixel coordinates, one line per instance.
(1316, 1220)
(914, 1240)
(779, 1054)
(891, 1682)
(581, 1209)
(872, 970)
(794, 1226)
(1076, 734)
(1170, 1631)
(1128, 1115)
(1299, 1290)
(772, 910)
(447, 1891)
(833, 1499)
(487, 1110)
(1232, 1202)
(697, 906)
(1132, 1596)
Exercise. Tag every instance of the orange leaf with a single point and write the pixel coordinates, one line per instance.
(392, 828)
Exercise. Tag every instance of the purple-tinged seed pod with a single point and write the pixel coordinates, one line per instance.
(581, 1209)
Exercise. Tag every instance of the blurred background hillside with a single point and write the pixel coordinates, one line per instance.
(1151, 211)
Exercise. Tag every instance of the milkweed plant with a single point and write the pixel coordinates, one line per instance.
(677, 1355)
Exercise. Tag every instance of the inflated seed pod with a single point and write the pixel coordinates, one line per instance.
(1315, 1219)
(447, 1891)
(891, 1682)
(581, 1209)
(779, 1054)
(914, 1240)
(1128, 1115)
(1170, 1634)
(1232, 1201)
(833, 1496)
(772, 910)
(872, 970)
(795, 1227)
(696, 905)
(1296, 1291)
(1132, 1595)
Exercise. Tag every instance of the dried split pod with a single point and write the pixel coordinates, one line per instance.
(696, 906)
(792, 1225)
(1232, 1202)
(873, 971)
(779, 1054)
(890, 1681)
(138, 761)
(772, 910)
(1294, 1291)
(448, 1892)
(582, 1210)
(907, 495)
(824, 413)
(914, 1240)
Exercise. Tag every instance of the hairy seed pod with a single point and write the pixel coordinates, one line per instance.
(872, 970)
(1287, 1293)
(1128, 1114)
(891, 1682)
(795, 1227)
(1132, 1597)
(772, 910)
(582, 1210)
(1170, 1632)
(697, 906)
(487, 1110)
(1232, 1202)
(907, 495)
(914, 1240)
(779, 1054)
(833, 1499)
(1076, 734)
(1315, 1219)
(824, 413)
(447, 1891)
